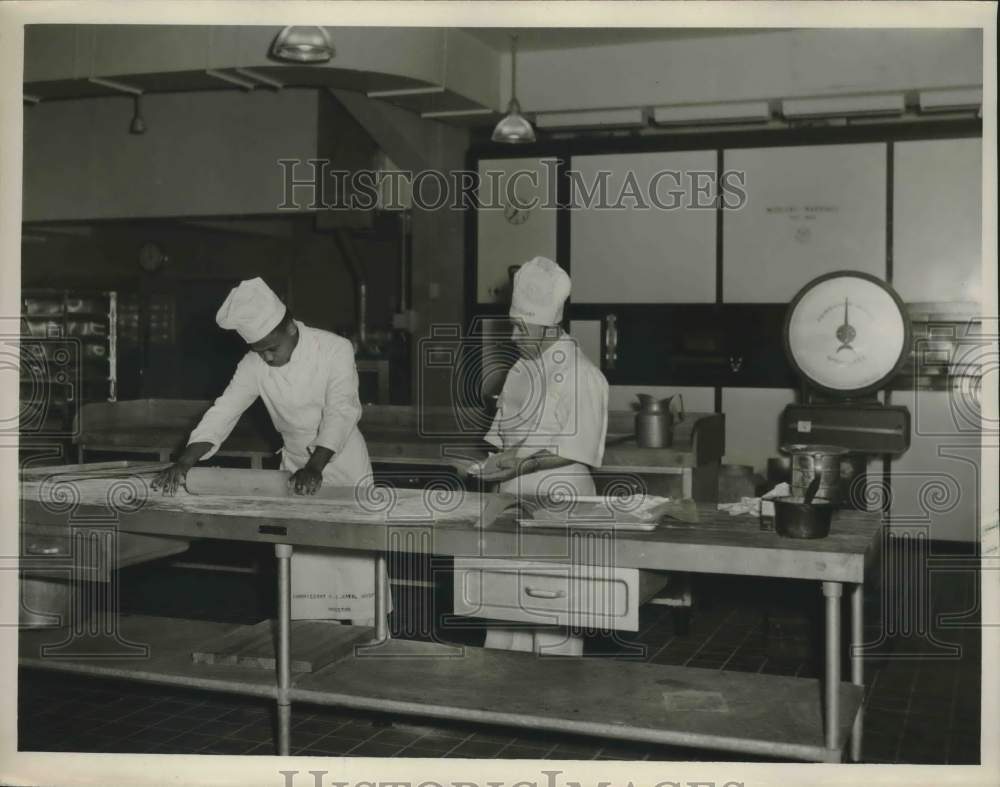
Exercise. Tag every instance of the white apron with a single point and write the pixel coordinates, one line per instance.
(333, 584)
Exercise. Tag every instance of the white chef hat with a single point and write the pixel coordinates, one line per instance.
(251, 309)
(540, 289)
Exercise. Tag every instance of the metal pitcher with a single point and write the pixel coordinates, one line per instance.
(654, 420)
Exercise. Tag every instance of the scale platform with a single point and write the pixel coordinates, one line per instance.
(860, 427)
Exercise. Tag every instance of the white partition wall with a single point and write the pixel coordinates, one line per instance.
(508, 236)
(937, 220)
(656, 253)
(810, 210)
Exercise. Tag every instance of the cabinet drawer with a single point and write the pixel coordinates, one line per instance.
(553, 593)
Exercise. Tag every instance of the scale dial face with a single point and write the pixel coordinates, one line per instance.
(847, 333)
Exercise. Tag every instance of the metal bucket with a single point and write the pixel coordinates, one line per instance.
(808, 461)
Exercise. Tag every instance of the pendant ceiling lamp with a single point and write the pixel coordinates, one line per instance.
(513, 127)
(302, 45)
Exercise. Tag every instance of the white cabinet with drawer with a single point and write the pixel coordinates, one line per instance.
(542, 593)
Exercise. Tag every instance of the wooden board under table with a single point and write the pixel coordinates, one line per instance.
(421, 522)
(314, 644)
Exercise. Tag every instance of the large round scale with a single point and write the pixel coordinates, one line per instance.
(847, 333)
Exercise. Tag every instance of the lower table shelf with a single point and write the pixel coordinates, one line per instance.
(708, 709)
(146, 649)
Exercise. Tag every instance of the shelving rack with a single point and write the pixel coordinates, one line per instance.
(68, 356)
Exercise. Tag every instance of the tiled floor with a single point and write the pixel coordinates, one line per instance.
(922, 702)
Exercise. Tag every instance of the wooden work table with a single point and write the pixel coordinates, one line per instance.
(441, 437)
(792, 718)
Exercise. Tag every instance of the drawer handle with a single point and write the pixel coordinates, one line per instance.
(38, 549)
(536, 593)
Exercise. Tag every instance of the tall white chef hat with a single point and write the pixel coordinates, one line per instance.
(251, 309)
(540, 289)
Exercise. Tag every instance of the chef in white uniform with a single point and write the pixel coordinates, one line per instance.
(552, 416)
(309, 384)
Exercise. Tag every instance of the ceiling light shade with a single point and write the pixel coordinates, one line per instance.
(138, 125)
(513, 128)
(302, 45)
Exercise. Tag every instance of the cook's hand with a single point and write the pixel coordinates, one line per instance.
(496, 468)
(170, 479)
(306, 481)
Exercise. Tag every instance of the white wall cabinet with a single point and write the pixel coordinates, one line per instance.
(810, 210)
(937, 220)
(644, 251)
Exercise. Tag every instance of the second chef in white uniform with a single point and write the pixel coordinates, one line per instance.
(551, 420)
(309, 384)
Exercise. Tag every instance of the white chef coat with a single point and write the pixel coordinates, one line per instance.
(557, 402)
(313, 401)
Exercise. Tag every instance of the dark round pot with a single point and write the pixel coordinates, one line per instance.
(794, 518)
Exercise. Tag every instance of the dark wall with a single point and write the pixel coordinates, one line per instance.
(197, 359)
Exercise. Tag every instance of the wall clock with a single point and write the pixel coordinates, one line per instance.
(151, 257)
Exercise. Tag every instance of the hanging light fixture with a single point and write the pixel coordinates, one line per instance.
(513, 127)
(302, 45)
(138, 125)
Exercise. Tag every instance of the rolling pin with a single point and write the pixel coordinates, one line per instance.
(251, 483)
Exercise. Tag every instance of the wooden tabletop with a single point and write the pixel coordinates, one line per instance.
(449, 522)
(394, 434)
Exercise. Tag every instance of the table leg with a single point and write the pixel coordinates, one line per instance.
(283, 552)
(832, 592)
(857, 665)
(381, 604)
